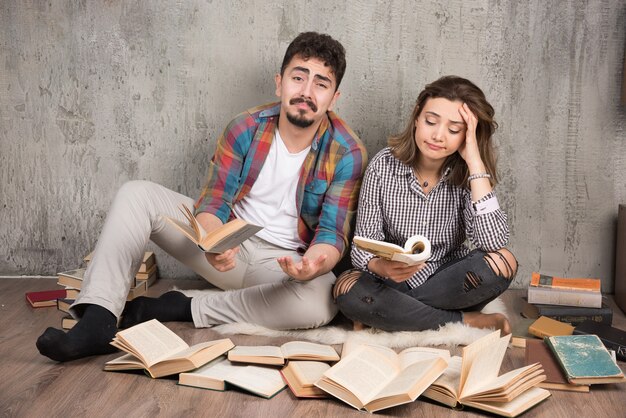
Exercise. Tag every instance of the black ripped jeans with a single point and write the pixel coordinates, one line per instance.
(466, 284)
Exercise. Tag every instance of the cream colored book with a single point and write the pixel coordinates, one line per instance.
(293, 350)
(227, 236)
(220, 373)
(375, 378)
(416, 249)
(154, 347)
(473, 380)
(301, 376)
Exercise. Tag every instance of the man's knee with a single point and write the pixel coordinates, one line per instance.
(503, 263)
(134, 188)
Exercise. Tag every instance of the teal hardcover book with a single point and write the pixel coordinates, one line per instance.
(584, 359)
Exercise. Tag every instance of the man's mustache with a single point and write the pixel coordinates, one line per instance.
(303, 100)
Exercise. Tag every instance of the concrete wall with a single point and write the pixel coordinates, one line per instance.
(95, 93)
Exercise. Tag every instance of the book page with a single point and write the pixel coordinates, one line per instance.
(420, 374)
(218, 369)
(184, 228)
(256, 351)
(308, 372)
(294, 349)
(260, 380)
(481, 362)
(364, 372)
(449, 379)
(152, 340)
(412, 355)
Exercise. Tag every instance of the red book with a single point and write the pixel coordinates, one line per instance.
(45, 298)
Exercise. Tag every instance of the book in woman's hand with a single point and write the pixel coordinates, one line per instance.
(154, 347)
(416, 249)
(227, 236)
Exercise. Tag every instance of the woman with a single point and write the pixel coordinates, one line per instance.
(434, 179)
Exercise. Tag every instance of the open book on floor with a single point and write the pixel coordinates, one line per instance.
(301, 376)
(293, 350)
(374, 378)
(220, 373)
(472, 380)
(154, 347)
(227, 236)
(416, 249)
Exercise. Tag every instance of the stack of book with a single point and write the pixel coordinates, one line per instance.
(72, 280)
(570, 300)
(573, 362)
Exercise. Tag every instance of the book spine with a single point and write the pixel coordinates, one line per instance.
(537, 295)
(604, 318)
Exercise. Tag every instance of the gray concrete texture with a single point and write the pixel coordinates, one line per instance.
(96, 93)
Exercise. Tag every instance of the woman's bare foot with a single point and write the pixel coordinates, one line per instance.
(358, 326)
(481, 320)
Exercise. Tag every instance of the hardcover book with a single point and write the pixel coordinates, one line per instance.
(573, 315)
(472, 380)
(71, 278)
(561, 283)
(416, 249)
(538, 352)
(612, 338)
(548, 327)
(301, 376)
(64, 304)
(220, 373)
(547, 296)
(154, 347)
(584, 359)
(227, 236)
(44, 298)
(293, 350)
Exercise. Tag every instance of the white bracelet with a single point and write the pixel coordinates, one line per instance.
(478, 176)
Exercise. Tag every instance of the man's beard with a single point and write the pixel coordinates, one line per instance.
(299, 120)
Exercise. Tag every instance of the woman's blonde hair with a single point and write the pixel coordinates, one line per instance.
(452, 88)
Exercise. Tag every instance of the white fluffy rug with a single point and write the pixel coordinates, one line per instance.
(449, 335)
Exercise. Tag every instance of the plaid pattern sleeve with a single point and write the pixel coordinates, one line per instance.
(393, 208)
(225, 168)
(331, 193)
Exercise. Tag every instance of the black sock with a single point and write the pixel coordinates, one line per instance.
(90, 336)
(170, 306)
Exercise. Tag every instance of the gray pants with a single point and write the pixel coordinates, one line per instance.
(256, 290)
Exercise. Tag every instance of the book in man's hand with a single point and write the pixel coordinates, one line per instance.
(472, 380)
(220, 373)
(374, 378)
(416, 249)
(293, 350)
(154, 347)
(227, 236)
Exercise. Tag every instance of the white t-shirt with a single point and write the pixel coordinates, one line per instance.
(271, 201)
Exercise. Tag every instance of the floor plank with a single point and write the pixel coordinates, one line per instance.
(32, 385)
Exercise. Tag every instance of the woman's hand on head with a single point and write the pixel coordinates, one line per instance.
(469, 149)
(393, 270)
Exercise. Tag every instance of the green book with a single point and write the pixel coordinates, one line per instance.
(584, 359)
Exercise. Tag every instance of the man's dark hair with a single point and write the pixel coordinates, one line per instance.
(321, 46)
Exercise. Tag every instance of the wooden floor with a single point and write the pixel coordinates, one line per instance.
(34, 386)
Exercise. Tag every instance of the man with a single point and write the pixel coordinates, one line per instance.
(293, 167)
